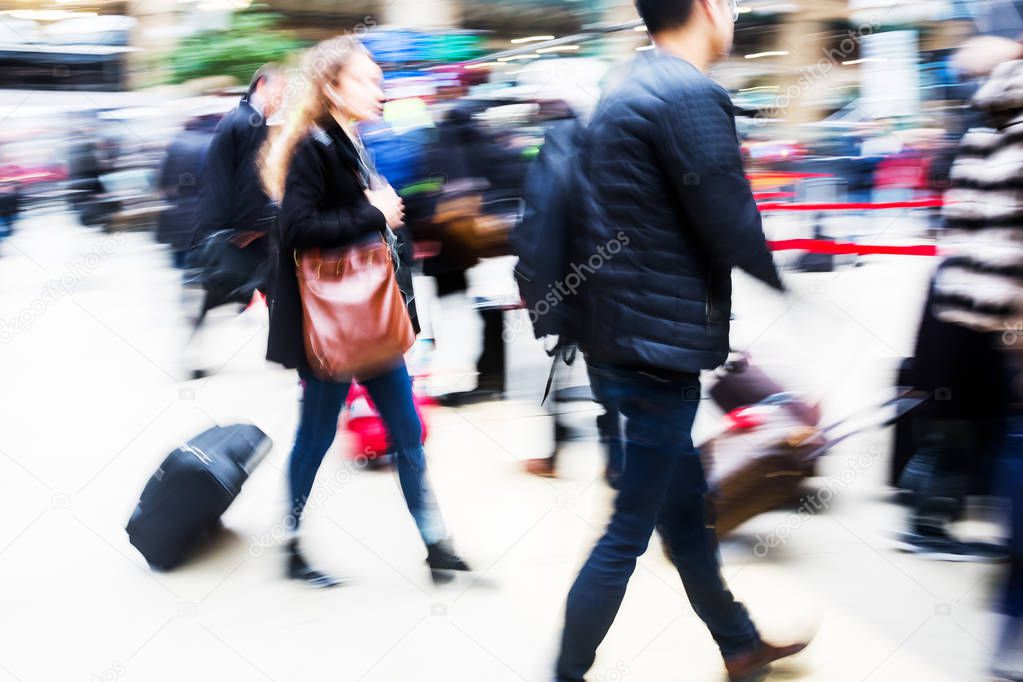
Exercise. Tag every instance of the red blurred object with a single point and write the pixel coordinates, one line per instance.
(836, 248)
(923, 202)
(258, 300)
(903, 171)
(744, 419)
(30, 176)
(365, 424)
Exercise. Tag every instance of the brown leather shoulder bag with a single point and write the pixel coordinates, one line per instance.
(354, 318)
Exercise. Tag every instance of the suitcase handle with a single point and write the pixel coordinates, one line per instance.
(902, 395)
(905, 402)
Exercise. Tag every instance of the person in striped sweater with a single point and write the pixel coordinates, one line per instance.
(980, 285)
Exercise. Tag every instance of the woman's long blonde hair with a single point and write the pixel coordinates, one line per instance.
(305, 105)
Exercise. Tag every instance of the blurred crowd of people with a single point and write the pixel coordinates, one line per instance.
(317, 166)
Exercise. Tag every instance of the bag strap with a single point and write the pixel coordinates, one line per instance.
(565, 353)
(367, 171)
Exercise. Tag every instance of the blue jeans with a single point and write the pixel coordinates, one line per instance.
(392, 394)
(662, 485)
(610, 429)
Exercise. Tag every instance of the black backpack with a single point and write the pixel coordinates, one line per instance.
(542, 239)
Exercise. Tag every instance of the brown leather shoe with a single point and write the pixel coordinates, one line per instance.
(543, 467)
(745, 666)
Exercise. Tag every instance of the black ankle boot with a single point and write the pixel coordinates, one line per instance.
(440, 556)
(298, 569)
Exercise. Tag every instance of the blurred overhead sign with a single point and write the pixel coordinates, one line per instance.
(890, 74)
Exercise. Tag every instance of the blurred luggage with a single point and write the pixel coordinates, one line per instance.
(190, 491)
(772, 445)
(364, 422)
(756, 470)
(741, 384)
(469, 229)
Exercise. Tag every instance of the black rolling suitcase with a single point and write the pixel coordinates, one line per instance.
(190, 491)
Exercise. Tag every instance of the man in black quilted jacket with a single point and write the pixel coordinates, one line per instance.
(668, 213)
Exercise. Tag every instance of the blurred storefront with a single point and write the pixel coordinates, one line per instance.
(74, 46)
(804, 60)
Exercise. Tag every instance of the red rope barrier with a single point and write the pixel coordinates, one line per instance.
(929, 202)
(849, 248)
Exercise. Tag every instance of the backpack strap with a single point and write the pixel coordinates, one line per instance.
(566, 353)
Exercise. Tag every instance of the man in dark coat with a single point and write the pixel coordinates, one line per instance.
(467, 157)
(231, 194)
(232, 198)
(179, 184)
(668, 213)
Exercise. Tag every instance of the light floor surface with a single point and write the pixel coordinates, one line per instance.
(95, 397)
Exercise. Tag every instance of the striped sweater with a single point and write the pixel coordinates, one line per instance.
(981, 284)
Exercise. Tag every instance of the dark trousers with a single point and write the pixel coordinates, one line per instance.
(490, 366)
(6, 225)
(392, 394)
(1009, 484)
(662, 486)
(180, 259)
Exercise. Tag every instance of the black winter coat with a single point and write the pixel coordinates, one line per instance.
(668, 212)
(231, 194)
(179, 182)
(324, 206)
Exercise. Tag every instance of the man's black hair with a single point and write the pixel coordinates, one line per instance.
(661, 15)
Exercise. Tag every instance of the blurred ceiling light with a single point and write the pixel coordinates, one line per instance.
(746, 10)
(641, 27)
(761, 88)
(645, 47)
(865, 60)
(558, 48)
(48, 14)
(761, 55)
(516, 57)
(484, 65)
(531, 39)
